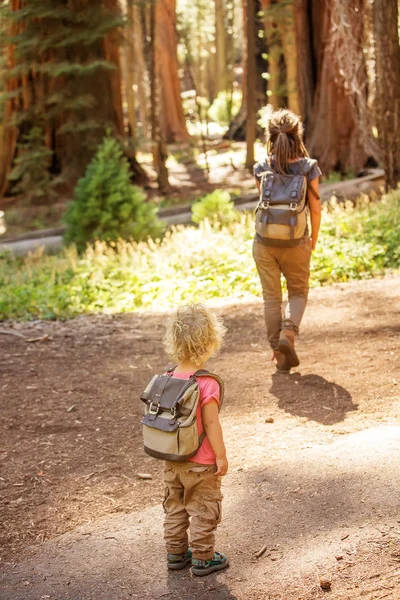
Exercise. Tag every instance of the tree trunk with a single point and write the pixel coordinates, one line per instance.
(158, 146)
(172, 120)
(274, 56)
(250, 79)
(305, 62)
(287, 30)
(221, 72)
(91, 100)
(9, 133)
(140, 80)
(128, 62)
(387, 50)
(337, 131)
(237, 128)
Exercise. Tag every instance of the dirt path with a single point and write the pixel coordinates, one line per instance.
(318, 483)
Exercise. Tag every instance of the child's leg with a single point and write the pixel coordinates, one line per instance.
(176, 520)
(203, 503)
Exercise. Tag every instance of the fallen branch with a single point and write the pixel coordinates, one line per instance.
(6, 332)
(260, 552)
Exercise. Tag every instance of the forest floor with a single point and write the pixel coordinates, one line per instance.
(314, 457)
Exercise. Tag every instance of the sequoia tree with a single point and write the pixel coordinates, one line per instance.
(172, 120)
(387, 51)
(333, 83)
(63, 75)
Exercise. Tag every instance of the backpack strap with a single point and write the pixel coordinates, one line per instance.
(205, 373)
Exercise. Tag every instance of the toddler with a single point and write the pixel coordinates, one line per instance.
(193, 488)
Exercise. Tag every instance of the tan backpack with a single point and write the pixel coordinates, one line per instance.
(170, 430)
(281, 215)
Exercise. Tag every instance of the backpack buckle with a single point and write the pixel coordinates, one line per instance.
(153, 409)
(265, 204)
(293, 206)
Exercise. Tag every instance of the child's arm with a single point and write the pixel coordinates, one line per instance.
(212, 427)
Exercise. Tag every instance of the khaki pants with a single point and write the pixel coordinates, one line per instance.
(294, 264)
(191, 491)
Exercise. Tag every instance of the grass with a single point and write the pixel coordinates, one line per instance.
(191, 264)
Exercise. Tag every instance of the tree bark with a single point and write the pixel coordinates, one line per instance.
(274, 56)
(250, 80)
(387, 50)
(172, 119)
(158, 145)
(237, 128)
(221, 73)
(337, 132)
(286, 26)
(128, 62)
(71, 132)
(305, 62)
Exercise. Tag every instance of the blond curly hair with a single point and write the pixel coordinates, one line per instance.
(193, 334)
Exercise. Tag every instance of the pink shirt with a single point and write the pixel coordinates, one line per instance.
(209, 392)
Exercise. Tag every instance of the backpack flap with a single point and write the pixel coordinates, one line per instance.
(166, 391)
(160, 422)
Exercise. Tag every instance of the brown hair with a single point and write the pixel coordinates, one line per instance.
(285, 139)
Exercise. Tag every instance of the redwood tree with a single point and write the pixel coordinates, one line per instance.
(172, 120)
(387, 50)
(63, 72)
(332, 83)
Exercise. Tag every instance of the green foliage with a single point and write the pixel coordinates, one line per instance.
(30, 175)
(336, 176)
(201, 263)
(106, 206)
(216, 207)
(225, 107)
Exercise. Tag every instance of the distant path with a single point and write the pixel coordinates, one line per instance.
(51, 240)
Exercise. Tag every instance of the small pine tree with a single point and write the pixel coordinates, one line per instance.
(106, 206)
(30, 175)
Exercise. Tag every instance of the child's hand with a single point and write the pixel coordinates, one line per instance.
(222, 466)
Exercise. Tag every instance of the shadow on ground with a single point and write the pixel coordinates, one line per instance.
(312, 396)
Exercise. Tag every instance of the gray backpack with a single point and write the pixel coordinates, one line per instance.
(281, 215)
(170, 429)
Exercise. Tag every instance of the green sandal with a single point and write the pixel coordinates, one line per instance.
(176, 562)
(205, 567)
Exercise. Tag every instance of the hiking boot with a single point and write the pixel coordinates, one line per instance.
(205, 567)
(281, 362)
(286, 347)
(176, 562)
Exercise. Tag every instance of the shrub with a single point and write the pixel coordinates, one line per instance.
(30, 175)
(106, 206)
(188, 263)
(217, 207)
(225, 107)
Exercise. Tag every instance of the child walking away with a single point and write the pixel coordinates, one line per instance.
(181, 424)
(288, 184)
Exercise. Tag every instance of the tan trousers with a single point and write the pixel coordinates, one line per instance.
(294, 264)
(192, 498)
